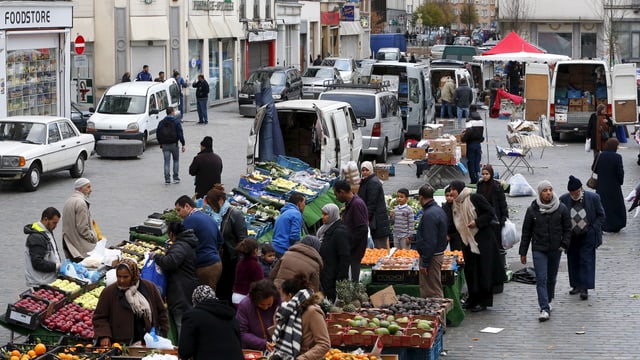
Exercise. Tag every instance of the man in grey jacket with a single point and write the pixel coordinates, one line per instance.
(78, 233)
(463, 98)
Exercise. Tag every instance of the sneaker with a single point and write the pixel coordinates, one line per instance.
(167, 182)
(176, 181)
(550, 308)
(544, 316)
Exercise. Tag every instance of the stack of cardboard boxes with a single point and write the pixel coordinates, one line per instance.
(442, 151)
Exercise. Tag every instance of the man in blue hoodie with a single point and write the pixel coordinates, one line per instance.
(208, 264)
(286, 231)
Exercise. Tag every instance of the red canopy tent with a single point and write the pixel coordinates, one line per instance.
(512, 43)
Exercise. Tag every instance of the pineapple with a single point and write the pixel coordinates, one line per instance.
(350, 308)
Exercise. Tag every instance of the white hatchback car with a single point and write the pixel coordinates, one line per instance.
(34, 145)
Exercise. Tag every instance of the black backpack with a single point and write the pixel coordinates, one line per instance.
(167, 132)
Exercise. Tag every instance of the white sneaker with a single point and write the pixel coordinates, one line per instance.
(550, 308)
(544, 316)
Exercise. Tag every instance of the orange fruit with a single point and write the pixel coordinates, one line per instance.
(40, 349)
(14, 357)
(15, 352)
(31, 353)
(25, 357)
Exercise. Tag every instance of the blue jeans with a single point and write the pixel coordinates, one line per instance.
(449, 109)
(462, 111)
(202, 110)
(546, 266)
(181, 106)
(169, 151)
(474, 156)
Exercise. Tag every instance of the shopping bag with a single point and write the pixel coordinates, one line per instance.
(509, 234)
(587, 145)
(154, 341)
(592, 183)
(518, 186)
(152, 272)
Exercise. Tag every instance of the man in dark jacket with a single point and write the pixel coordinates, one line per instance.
(463, 97)
(144, 75)
(209, 328)
(170, 147)
(355, 218)
(202, 95)
(473, 136)
(547, 227)
(494, 85)
(42, 259)
(372, 194)
(431, 241)
(587, 217)
(206, 167)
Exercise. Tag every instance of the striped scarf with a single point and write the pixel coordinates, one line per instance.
(288, 333)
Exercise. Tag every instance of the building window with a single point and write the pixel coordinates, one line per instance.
(588, 45)
(484, 13)
(243, 9)
(556, 43)
(256, 9)
(267, 10)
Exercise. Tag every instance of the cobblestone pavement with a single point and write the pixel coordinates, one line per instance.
(126, 191)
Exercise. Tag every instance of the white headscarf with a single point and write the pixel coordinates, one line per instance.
(334, 215)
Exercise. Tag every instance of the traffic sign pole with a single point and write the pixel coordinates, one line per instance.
(78, 44)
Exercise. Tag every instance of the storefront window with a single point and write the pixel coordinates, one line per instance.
(214, 70)
(195, 68)
(556, 43)
(32, 82)
(588, 45)
(228, 84)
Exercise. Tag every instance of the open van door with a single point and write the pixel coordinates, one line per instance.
(536, 91)
(340, 121)
(624, 94)
(253, 144)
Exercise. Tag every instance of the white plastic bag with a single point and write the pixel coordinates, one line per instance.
(518, 186)
(509, 234)
(587, 145)
(154, 341)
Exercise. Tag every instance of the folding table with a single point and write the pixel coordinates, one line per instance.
(512, 158)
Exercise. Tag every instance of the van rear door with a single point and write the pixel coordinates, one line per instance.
(624, 98)
(342, 136)
(536, 91)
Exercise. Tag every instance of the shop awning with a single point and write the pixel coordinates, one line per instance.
(84, 27)
(149, 28)
(220, 27)
(235, 27)
(199, 28)
(350, 28)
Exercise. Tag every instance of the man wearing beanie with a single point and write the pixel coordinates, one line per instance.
(78, 233)
(206, 167)
(547, 226)
(587, 216)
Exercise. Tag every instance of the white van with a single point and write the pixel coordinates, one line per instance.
(570, 95)
(411, 83)
(324, 134)
(437, 75)
(132, 110)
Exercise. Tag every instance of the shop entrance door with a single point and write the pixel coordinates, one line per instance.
(259, 54)
(154, 56)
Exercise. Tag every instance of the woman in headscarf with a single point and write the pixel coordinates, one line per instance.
(335, 250)
(210, 329)
(492, 190)
(302, 257)
(610, 172)
(129, 308)
(547, 227)
(301, 332)
(233, 229)
(473, 217)
(372, 194)
(179, 264)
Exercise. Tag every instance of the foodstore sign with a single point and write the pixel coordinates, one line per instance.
(36, 17)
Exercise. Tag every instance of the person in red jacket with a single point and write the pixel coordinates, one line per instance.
(248, 269)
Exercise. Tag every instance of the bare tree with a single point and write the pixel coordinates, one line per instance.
(515, 13)
(468, 16)
(612, 12)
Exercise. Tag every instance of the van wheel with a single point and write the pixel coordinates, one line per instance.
(382, 158)
(400, 149)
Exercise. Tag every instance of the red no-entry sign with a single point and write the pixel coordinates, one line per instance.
(79, 44)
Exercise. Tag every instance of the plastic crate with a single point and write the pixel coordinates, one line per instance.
(447, 277)
(255, 186)
(292, 163)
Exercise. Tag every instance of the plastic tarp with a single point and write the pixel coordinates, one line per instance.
(512, 43)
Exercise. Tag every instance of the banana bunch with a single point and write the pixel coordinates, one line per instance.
(134, 248)
(284, 183)
(257, 177)
(305, 190)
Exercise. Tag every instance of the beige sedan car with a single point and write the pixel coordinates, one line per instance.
(436, 52)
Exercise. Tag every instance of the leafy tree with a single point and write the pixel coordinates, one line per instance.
(468, 16)
(434, 14)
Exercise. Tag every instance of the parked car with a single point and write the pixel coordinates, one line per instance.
(132, 110)
(436, 51)
(34, 145)
(388, 54)
(286, 84)
(314, 78)
(79, 115)
(488, 45)
(344, 65)
(462, 40)
(324, 134)
(380, 108)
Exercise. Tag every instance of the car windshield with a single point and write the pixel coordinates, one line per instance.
(278, 79)
(122, 104)
(318, 73)
(342, 65)
(23, 131)
(364, 106)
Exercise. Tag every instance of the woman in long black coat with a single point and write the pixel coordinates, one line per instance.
(492, 190)
(335, 250)
(372, 193)
(483, 271)
(610, 179)
(179, 264)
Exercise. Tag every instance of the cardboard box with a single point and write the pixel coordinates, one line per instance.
(416, 153)
(575, 108)
(463, 149)
(601, 101)
(432, 131)
(384, 296)
(575, 102)
(442, 158)
(588, 108)
(382, 173)
(443, 144)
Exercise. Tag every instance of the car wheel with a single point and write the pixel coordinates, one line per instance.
(400, 149)
(31, 180)
(382, 158)
(144, 142)
(78, 168)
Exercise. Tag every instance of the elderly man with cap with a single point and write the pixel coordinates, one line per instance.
(547, 227)
(206, 167)
(78, 232)
(587, 217)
